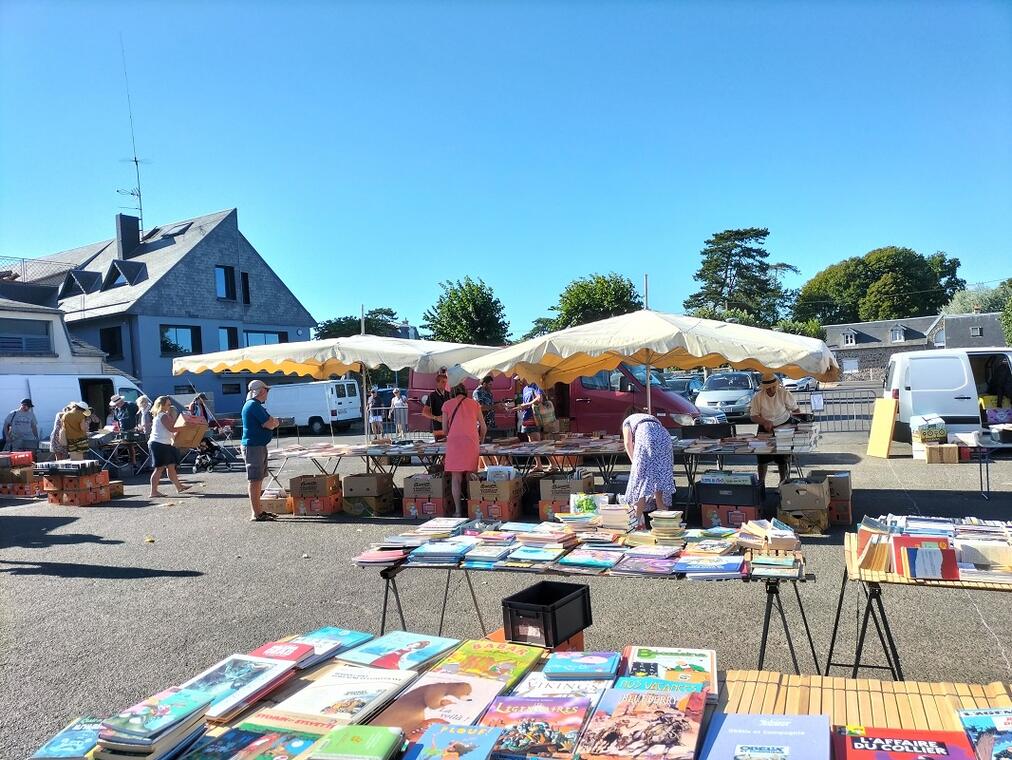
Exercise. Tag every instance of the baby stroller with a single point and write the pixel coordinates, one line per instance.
(209, 456)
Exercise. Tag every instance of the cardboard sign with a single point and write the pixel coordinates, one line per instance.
(883, 421)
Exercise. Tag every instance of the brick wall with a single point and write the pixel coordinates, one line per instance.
(872, 362)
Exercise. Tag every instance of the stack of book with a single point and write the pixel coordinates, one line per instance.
(485, 556)
(497, 537)
(591, 561)
(532, 558)
(347, 694)
(718, 568)
(653, 551)
(620, 517)
(162, 724)
(447, 552)
(380, 555)
(443, 526)
(767, 535)
(578, 522)
(329, 641)
(667, 527)
(640, 538)
(565, 539)
(708, 548)
(237, 682)
(786, 565)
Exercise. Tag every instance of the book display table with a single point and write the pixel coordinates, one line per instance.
(874, 609)
(772, 586)
(910, 705)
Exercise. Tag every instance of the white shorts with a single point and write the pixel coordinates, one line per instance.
(375, 418)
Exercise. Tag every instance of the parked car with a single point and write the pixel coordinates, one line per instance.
(807, 383)
(730, 393)
(945, 382)
(686, 387)
(317, 405)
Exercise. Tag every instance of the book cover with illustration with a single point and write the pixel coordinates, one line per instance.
(498, 660)
(534, 727)
(438, 698)
(671, 663)
(224, 747)
(989, 731)
(537, 684)
(454, 743)
(235, 679)
(656, 724)
(684, 682)
(158, 713)
(289, 651)
(270, 719)
(644, 566)
(767, 737)
(864, 743)
(348, 694)
(330, 640)
(594, 665)
(399, 650)
(278, 745)
(536, 553)
(359, 743)
(73, 742)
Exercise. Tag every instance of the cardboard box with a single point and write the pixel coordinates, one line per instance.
(840, 484)
(492, 510)
(804, 493)
(840, 512)
(927, 428)
(188, 431)
(116, 489)
(366, 506)
(426, 508)
(314, 486)
(101, 495)
(727, 515)
(23, 475)
(375, 484)
(547, 509)
(316, 505)
(559, 489)
(805, 521)
(424, 486)
(941, 453)
(500, 491)
(277, 504)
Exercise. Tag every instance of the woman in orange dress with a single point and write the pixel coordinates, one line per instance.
(465, 430)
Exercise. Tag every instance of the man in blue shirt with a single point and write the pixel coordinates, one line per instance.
(257, 430)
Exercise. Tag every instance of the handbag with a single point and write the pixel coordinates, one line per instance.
(544, 413)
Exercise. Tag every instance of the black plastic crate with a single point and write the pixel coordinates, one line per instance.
(727, 494)
(547, 613)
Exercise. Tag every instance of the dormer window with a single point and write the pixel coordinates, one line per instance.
(118, 280)
(122, 273)
(897, 335)
(849, 338)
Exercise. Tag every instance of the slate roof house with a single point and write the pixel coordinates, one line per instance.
(863, 348)
(193, 286)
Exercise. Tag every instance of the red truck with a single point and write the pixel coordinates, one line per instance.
(595, 402)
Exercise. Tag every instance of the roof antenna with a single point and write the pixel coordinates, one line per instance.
(136, 191)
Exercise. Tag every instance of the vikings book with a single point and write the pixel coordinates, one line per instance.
(536, 728)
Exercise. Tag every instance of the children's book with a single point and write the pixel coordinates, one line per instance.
(863, 743)
(497, 660)
(644, 566)
(399, 650)
(537, 684)
(591, 558)
(535, 554)
(279, 745)
(330, 640)
(456, 742)
(989, 731)
(72, 743)
(767, 737)
(348, 694)
(288, 651)
(438, 698)
(535, 727)
(658, 725)
(575, 665)
(689, 684)
(224, 747)
(359, 743)
(673, 663)
(652, 550)
(233, 681)
(270, 719)
(159, 713)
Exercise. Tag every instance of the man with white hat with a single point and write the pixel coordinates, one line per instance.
(772, 407)
(124, 412)
(257, 431)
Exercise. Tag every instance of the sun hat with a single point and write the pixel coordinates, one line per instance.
(768, 378)
(115, 399)
(254, 387)
(82, 406)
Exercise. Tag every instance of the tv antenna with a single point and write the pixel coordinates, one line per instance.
(134, 192)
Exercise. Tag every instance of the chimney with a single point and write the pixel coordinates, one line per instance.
(128, 235)
(976, 308)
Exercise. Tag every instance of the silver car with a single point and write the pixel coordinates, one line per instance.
(730, 393)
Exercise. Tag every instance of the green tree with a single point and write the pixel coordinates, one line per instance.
(1006, 321)
(467, 311)
(886, 283)
(810, 328)
(735, 274)
(382, 321)
(982, 298)
(737, 316)
(588, 299)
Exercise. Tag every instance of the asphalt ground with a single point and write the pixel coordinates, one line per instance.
(102, 606)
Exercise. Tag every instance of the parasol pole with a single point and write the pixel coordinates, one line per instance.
(646, 305)
(362, 398)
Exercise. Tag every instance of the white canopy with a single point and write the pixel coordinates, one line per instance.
(661, 340)
(334, 356)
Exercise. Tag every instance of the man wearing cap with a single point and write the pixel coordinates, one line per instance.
(772, 407)
(124, 412)
(257, 430)
(21, 429)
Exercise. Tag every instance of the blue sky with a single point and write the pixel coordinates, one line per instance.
(373, 149)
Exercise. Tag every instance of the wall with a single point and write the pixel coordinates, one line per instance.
(89, 332)
(62, 361)
(872, 362)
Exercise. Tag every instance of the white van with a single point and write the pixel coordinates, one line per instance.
(50, 393)
(947, 382)
(317, 405)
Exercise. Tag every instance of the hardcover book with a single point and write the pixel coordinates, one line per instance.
(673, 663)
(438, 698)
(224, 747)
(288, 651)
(687, 682)
(158, 713)
(330, 640)
(73, 742)
(456, 742)
(595, 665)
(644, 566)
(399, 650)
(989, 731)
(767, 737)
(348, 694)
(271, 719)
(536, 684)
(497, 660)
(359, 743)
(863, 743)
(534, 727)
(656, 724)
(229, 683)
(278, 745)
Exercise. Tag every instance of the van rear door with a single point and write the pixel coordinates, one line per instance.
(944, 385)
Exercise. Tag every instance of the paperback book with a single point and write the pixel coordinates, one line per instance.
(225, 747)
(655, 724)
(989, 731)
(673, 664)
(438, 698)
(644, 566)
(235, 681)
(536, 684)
(534, 727)
(495, 660)
(287, 651)
(158, 713)
(348, 694)
(457, 742)
(767, 737)
(74, 742)
(330, 640)
(864, 743)
(637, 683)
(359, 743)
(576, 665)
(399, 650)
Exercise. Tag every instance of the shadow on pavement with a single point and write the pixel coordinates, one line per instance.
(77, 570)
(31, 532)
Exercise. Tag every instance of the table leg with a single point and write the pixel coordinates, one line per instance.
(787, 631)
(397, 601)
(446, 595)
(881, 638)
(836, 624)
(859, 650)
(808, 630)
(876, 594)
(766, 624)
(386, 596)
(474, 599)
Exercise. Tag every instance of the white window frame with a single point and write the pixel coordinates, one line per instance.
(849, 339)
(976, 331)
(897, 331)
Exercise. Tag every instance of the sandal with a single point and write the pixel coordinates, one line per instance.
(264, 517)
